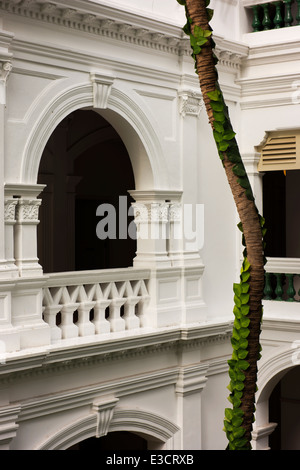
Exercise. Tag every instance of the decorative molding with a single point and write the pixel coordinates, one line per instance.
(27, 211)
(71, 356)
(10, 211)
(8, 426)
(5, 69)
(139, 420)
(151, 212)
(191, 379)
(127, 27)
(102, 85)
(190, 102)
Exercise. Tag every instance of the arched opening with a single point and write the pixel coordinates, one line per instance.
(284, 409)
(116, 441)
(85, 165)
(281, 192)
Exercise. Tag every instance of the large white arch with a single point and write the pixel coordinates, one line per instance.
(126, 115)
(151, 426)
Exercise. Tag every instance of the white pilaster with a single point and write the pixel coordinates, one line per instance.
(5, 68)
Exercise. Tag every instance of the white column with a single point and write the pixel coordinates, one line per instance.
(25, 229)
(190, 383)
(151, 211)
(190, 107)
(256, 179)
(5, 68)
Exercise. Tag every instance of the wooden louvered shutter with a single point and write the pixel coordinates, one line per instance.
(280, 151)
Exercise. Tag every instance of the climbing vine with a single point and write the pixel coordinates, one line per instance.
(224, 137)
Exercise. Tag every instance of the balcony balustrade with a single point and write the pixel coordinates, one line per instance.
(95, 302)
(282, 280)
(273, 15)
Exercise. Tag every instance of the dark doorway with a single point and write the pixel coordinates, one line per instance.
(121, 440)
(281, 194)
(284, 409)
(85, 164)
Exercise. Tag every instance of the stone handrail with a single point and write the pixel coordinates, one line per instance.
(90, 303)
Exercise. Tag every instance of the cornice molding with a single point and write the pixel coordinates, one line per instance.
(70, 356)
(127, 27)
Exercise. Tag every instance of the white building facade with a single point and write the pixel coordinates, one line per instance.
(118, 238)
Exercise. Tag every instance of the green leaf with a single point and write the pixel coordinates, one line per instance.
(217, 105)
(181, 2)
(239, 170)
(244, 182)
(218, 126)
(237, 289)
(214, 95)
(228, 426)
(223, 146)
(236, 422)
(217, 136)
(239, 386)
(240, 376)
(229, 135)
(245, 309)
(244, 322)
(243, 343)
(228, 414)
(244, 332)
(244, 298)
(242, 354)
(244, 287)
(237, 301)
(243, 365)
(246, 265)
(235, 335)
(219, 116)
(238, 433)
(245, 276)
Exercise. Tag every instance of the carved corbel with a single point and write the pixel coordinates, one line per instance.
(102, 85)
(104, 408)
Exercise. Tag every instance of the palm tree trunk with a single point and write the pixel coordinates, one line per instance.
(197, 14)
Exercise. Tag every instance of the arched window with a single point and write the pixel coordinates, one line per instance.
(84, 165)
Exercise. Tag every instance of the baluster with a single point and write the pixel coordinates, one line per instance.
(290, 290)
(256, 24)
(268, 291)
(85, 326)
(117, 323)
(278, 289)
(298, 12)
(131, 320)
(288, 19)
(101, 324)
(49, 315)
(278, 21)
(266, 22)
(68, 328)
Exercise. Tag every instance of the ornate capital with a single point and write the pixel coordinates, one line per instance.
(190, 103)
(151, 212)
(27, 211)
(10, 211)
